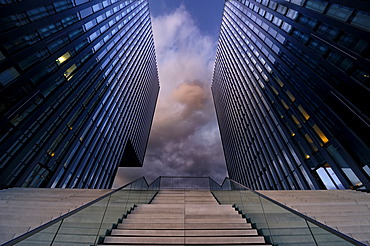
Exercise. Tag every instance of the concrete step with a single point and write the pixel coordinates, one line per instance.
(184, 240)
(203, 226)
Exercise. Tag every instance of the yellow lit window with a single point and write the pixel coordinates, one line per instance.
(304, 113)
(279, 81)
(51, 153)
(310, 141)
(284, 104)
(70, 70)
(63, 58)
(296, 121)
(320, 134)
(290, 96)
(275, 91)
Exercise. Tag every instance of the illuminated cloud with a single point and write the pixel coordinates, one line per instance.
(184, 139)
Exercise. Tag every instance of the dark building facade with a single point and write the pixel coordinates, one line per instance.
(78, 88)
(291, 91)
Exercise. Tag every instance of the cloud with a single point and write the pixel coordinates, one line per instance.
(184, 140)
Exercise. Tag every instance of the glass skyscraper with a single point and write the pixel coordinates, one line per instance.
(291, 91)
(78, 88)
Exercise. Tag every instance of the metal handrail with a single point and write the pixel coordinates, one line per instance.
(313, 221)
(56, 220)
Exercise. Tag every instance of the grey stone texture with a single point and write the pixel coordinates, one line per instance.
(184, 218)
(347, 211)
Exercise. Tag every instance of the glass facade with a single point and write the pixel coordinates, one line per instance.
(291, 89)
(78, 88)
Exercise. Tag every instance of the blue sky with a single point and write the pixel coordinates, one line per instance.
(205, 13)
(184, 139)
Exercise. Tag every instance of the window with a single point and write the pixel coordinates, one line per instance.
(317, 5)
(286, 27)
(362, 20)
(32, 59)
(361, 75)
(281, 9)
(292, 14)
(50, 29)
(63, 58)
(322, 136)
(339, 12)
(303, 112)
(300, 36)
(8, 76)
(318, 47)
(296, 121)
(277, 21)
(69, 71)
(57, 44)
(78, 2)
(75, 33)
(272, 5)
(280, 38)
(90, 24)
(12, 21)
(298, 2)
(307, 22)
(69, 20)
(339, 60)
(62, 5)
(97, 7)
(329, 31)
(291, 97)
(269, 16)
(350, 41)
(327, 179)
(86, 12)
(311, 143)
(284, 104)
(41, 12)
(2, 57)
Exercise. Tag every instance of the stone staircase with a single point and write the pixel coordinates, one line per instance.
(184, 218)
(347, 211)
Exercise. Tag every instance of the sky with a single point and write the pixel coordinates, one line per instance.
(184, 139)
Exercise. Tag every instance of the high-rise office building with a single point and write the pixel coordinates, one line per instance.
(291, 91)
(78, 88)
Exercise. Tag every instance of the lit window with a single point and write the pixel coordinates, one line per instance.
(63, 58)
(290, 96)
(296, 121)
(310, 141)
(324, 139)
(304, 113)
(69, 71)
(284, 104)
